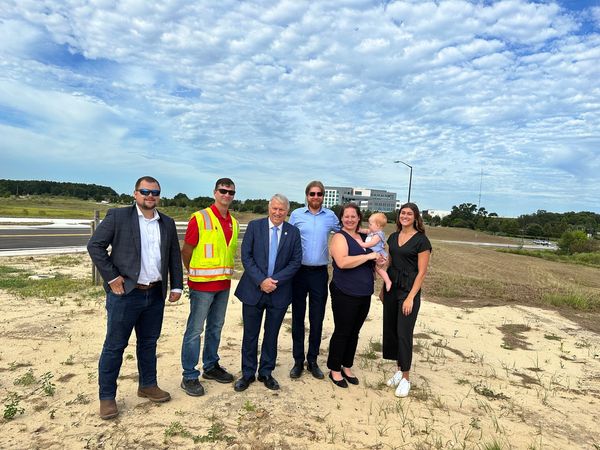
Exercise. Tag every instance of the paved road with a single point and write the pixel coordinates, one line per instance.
(501, 245)
(19, 239)
(71, 236)
(36, 237)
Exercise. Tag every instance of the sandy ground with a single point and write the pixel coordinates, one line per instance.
(519, 376)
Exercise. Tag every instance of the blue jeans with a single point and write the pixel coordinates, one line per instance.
(142, 310)
(209, 307)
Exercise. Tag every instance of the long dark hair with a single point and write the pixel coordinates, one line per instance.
(419, 226)
(358, 212)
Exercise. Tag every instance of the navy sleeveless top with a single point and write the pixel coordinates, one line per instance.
(358, 281)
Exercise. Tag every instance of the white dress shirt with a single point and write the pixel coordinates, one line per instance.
(150, 246)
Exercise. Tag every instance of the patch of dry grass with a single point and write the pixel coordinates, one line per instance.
(478, 277)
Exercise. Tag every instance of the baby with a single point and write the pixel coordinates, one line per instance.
(376, 242)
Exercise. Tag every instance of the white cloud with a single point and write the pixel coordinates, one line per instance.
(17, 36)
(275, 93)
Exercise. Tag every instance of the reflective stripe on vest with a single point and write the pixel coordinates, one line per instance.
(212, 259)
(208, 248)
(208, 225)
(211, 272)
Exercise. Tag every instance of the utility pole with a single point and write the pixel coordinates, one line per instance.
(410, 177)
(480, 184)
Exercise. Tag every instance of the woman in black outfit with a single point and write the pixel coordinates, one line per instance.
(351, 288)
(409, 251)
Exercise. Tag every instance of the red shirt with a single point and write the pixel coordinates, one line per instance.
(192, 237)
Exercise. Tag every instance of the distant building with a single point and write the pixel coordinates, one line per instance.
(436, 212)
(371, 199)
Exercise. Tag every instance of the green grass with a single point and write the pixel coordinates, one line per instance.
(50, 207)
(8, 270)
(16, 281)
(574, 300)
(591, 259)
(494, 445)
(65, 261)
(216, 432)
(26, 379)
(40, 206)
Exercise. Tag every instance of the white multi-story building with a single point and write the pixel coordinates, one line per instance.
(371, 199)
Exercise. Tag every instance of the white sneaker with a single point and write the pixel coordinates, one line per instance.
(395, 380)
(403, 388)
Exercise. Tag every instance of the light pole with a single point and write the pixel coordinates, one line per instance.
(410, 178)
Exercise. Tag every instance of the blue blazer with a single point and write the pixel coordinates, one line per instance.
(121, 230)
(255, 259)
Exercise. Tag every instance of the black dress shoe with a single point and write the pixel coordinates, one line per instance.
(341, 383)
(313, 368)
(297, 370)
(243, 383)
(351, 380)
(269, 382)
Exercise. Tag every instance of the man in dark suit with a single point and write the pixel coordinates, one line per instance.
(271, 255)
(145, 257)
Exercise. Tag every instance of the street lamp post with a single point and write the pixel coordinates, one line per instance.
(409, 179)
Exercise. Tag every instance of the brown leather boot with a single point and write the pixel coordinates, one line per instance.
(108, 409)
(154, 394)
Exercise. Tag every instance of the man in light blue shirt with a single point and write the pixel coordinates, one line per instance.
(315, 224)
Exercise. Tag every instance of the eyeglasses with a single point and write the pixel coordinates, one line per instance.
(318, 194)
(147, 192)
(226, 191)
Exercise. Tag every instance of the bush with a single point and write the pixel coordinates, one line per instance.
(576, 242)
(534, 229)
(462, 223)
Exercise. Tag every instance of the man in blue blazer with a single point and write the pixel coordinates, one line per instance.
(145, 258)
(271, 255)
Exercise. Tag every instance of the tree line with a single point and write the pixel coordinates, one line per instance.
(541, 224)
(83, 191)
(98, 193)
(258, 206)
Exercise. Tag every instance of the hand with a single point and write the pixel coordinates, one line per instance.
(174, 296)
(407, 306)
(118, 286)
(268, 285)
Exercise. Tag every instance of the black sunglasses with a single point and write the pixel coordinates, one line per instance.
(147, 192)
(318, 194)
(226, 191)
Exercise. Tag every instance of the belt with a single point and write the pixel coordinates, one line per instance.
(145, 287)
(313, 267)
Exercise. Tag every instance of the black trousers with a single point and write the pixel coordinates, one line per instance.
(398, 329)
(349, 314)
(311, 281)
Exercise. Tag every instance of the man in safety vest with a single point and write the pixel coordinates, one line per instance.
(208, 253)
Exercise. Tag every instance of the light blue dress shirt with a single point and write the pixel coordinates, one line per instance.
(314, 233)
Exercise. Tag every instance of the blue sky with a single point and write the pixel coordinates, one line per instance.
(275, 94)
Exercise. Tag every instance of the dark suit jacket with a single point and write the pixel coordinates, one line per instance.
(121, 230)
(255, 258)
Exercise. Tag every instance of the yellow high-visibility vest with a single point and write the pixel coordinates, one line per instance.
(212, 259)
